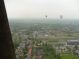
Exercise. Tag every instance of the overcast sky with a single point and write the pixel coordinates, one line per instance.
(40, 8)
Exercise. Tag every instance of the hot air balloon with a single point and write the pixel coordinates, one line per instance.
(61, 17)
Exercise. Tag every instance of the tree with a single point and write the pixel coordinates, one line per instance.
(25, 51)
(50, 53)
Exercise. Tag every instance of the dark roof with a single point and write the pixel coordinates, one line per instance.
(73, 42)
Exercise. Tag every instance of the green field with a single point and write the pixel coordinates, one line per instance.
(64, 56)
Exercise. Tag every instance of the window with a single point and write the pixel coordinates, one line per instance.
(44, 29)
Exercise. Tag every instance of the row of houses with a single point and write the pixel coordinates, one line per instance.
(69, 46)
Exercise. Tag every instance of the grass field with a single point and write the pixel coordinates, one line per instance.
(64, 56)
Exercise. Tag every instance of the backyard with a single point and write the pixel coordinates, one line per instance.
(68, 56)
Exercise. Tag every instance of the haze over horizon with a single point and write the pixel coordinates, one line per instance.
(20, 9)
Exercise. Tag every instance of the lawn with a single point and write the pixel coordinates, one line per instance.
(65, 56)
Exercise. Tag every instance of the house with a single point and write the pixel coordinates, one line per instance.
(72, 42)
(19, 53)
(77, 52)
(60, 47)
